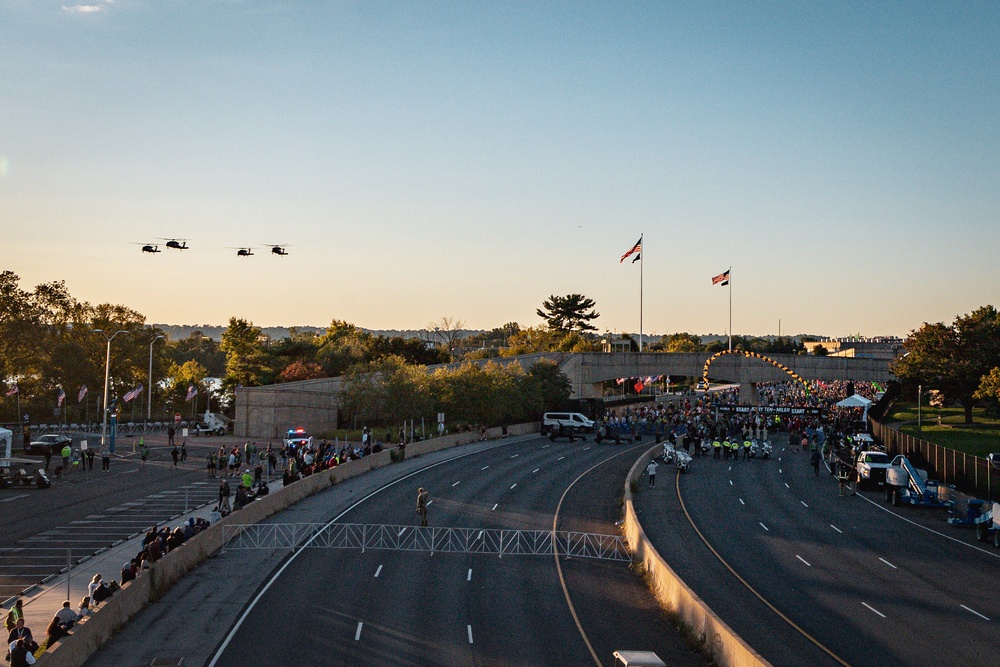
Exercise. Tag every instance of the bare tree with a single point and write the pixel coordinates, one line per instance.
(447, 330)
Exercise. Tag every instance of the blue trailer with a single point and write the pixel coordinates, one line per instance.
(906, 484)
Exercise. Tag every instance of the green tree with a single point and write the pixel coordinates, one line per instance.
(681, 342)
(385, 392)
(953, 358)
(247, 362)
(203, 349)
(572, 312)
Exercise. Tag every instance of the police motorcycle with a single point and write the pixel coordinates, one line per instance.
(754, 450)
(765, 450)
(683, 460)
(669, 453)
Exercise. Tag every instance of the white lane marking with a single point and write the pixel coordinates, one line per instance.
(357, 635)
(429, 502)
(378, 571)
(515, 456)
(560, 458)
(741, 502)
(544, 446)
(470, 633)
(803, 560)
(873, 609)
(484, 468)
(779, 471)
(779, 458)
(479, 537)
(513, 485)
(730, 482)
(8, 500)
(468, 577)
(803, 503)
(930, 530)
(764, 527)
(786, 485)
(730, 467)
(973, 611)
(494, 507)
(456, 484)
(836, 529)
(888, 563)
(586, 448)
(535, 470)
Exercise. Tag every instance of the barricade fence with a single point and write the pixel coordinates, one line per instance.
(968, 473)
(487, 541)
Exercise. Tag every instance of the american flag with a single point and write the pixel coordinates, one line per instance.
(620, 381)
(12, 390)
(81, 394)
(721, 278)
(61, 397)
(192, 392)
(132, 394)
(635, 249)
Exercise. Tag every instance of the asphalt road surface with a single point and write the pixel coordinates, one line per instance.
(85, 511)
(409, 608)
(866, 585)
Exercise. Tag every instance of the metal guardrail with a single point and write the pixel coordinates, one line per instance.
(487, 541)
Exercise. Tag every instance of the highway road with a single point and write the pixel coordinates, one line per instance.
(87, 511)
(864, 583)
(410, 608)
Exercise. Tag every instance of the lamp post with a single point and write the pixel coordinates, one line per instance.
(107, 376)
(149, 400)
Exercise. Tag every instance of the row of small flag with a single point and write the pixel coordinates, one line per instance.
(721, 279)
(61, 396)
(640, 382)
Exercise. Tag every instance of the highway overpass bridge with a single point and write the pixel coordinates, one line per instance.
(266, 412)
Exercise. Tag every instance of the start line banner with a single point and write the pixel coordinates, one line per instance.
(773, 410)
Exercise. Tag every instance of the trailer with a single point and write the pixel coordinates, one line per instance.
(905, 483)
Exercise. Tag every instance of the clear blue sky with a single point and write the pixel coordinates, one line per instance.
(466, 159)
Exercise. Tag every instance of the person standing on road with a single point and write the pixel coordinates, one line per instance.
(224, 492)
(184, 450)
(175, 455)
(48, 457)
(90, 459)
(651, 470)
(66, 453)
(816, 458)
(422, 500)
(105, 460)
(170, 435)
(144, 454)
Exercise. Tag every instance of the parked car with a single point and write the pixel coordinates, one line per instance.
(871, 468)
(48, 444)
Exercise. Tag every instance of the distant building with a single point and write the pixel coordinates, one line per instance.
(879, 347)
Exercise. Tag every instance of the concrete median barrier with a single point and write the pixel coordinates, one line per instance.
(724, 646)
(92, 632)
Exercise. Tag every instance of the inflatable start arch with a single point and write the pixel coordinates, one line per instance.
(752, 355)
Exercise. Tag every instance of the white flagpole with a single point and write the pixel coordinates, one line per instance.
(642, 252)
(730, 308)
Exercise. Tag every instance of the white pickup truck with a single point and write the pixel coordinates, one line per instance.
(871, 468)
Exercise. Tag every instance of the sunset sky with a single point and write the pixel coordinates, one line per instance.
(424, 159)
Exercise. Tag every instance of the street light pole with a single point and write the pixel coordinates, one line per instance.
(149, 400)
(107, 377)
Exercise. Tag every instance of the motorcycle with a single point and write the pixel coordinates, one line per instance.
(669, 453)
(765, 450)
(753, 450)
(683, 460)
(706, 447)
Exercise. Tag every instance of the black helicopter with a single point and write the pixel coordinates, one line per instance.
(278, 248)
(177, 244)
(242, 252)
(149, 247)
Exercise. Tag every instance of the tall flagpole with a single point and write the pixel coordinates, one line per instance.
(642, 252)
(730, 308)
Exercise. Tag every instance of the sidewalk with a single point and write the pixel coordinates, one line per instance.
(43, 600)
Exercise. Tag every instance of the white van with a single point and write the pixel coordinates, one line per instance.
(554, 421)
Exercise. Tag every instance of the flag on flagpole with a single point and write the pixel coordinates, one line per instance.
(81, 394)
(61, 397)
(722, 278)
(639, 386)
(12, 390)
(637, 248)
(620, 381)
(192, 392)
(132, 394)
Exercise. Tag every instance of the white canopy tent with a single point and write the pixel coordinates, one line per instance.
(856, 401)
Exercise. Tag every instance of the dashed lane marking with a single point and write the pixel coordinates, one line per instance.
(873, 609)
(357, 635)
(513, 485)
(494, 507)
(469, 627)
(803, 503)
(515, 456)
(888, 563)
(786, 485)
(378, 571)
(560, 458)
(9, 500)
(836, 529)
(468, 577)
(973, 611)
(456, 483)
(741, 502)
(484, 468)
(535, 470)
(803, 560)
(731, 483)
(764, 527)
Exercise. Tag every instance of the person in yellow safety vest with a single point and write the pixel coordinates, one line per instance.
(734, 448)
(746, 449)
(716, 448)
(725, 449)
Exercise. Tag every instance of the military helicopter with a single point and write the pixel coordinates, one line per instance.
(242, 252)
(278, 248)
(149, 247)
(177, 244)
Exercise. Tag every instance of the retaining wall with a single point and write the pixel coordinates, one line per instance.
(92, 632)
(726, 648)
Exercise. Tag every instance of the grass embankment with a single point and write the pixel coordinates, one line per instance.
(979, 438)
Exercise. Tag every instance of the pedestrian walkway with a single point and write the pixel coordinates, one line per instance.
(41, 601)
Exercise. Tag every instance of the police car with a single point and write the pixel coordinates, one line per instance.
(297, 437)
